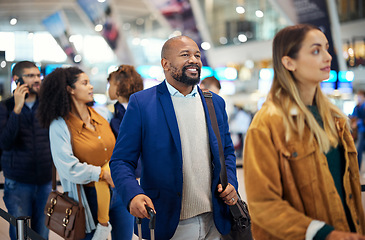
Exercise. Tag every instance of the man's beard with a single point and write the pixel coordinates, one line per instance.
(32, 91)
(183, 78)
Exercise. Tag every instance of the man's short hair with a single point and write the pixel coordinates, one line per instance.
(167, 44)
(211, 81)
(20, 66)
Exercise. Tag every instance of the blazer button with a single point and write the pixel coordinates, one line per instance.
(295, 154)
(179, 194)
(350, 196)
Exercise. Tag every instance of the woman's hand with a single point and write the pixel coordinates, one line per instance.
(229, 195)
(338, 235)
(106, 175)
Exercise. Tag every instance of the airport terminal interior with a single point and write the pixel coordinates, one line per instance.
(235, 38)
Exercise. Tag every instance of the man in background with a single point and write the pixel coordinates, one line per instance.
(26, 159)
(211, 84)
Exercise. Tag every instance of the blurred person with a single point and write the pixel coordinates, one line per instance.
(26, 158)
(300, 168)
(122, 84)
(81, 144)
(359, 116)
(239, 122)
(169, 126)
(211, 84)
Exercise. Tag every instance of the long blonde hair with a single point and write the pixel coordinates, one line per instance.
(285, 95)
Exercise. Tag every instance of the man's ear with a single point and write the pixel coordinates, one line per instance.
(70, 90)
(165, 64)
(288, 63)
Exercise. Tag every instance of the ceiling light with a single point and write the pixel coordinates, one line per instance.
(259, 13)
(13, 21)
(77, 58)
(98, 28)
(242, 38)
(240, 10)
(223, 40)
(205, 45)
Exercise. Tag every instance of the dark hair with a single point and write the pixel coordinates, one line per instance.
(19, 67)
(54, 99)
(129, 80)
(209, 81)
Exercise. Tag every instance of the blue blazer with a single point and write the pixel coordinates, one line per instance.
(150, 128)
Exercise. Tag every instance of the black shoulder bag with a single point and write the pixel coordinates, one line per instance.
(241, 224)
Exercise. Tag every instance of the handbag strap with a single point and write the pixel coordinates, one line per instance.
(54, 184)
(213, 119)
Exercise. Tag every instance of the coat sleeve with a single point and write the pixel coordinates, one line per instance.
(9, 127)
(268, 209)
(68, 166)
(126, 153)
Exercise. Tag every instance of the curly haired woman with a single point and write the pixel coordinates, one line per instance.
(81, 144)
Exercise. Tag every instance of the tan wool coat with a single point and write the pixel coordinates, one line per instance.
(289, 184)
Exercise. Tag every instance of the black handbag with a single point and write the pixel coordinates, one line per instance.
(241, 221)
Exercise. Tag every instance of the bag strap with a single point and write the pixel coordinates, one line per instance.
(54, 184)
(213, 119)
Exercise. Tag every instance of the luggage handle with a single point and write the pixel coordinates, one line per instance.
(151, 224)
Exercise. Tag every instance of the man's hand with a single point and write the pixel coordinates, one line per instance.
(137, 206)
(229, 195)
(19, 97)
(338, 235)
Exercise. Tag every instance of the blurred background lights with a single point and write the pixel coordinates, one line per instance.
(94, 70)
(350, 76)
(13, 21)
(77, 58)
(259, 13)
(266, 74)
(144, 42)
(100, 99)
(98, 27)
(3, 64)
(136, 41)
(30, 35)
(242, 38)
(240, 10)
(230, 73)
(223, 40)
(205, 45)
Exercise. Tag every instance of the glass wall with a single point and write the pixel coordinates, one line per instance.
(239, 21)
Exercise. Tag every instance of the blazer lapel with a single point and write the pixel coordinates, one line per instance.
(168, 109)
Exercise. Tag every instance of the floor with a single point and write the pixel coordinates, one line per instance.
(4, 225)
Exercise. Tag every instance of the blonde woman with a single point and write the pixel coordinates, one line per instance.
(300, 164)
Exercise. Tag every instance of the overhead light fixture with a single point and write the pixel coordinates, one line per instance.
(259, 13)
(205, 45)
(13, 21)
(98, 27)
(242, 38)
(240, 10)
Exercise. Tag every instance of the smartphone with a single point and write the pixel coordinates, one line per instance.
(21, 81)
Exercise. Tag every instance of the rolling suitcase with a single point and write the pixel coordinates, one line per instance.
(151, 225)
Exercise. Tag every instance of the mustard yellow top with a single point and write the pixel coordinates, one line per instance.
(89, 146)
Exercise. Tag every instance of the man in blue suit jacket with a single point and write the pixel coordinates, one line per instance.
(169, 126)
